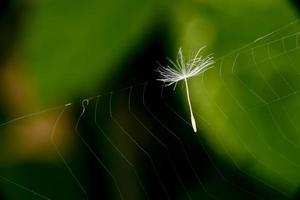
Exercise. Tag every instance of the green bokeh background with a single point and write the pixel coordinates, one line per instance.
(74, 49)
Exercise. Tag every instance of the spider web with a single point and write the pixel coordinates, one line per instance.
(134, 137)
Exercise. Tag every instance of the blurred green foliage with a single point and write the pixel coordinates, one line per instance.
(73, 48)
(257, 135)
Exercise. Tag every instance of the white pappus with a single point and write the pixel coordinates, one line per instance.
(183, 70)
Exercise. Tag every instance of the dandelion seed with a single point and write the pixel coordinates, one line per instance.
(183, 70)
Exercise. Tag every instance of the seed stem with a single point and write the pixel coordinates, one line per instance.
(190, 106)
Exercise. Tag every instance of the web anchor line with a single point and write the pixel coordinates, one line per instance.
(256, 41)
